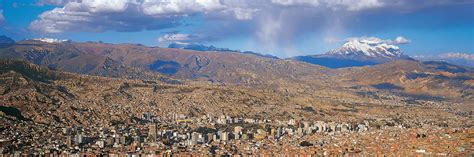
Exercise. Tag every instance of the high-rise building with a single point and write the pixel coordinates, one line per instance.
(194, 138)
(79, 139)
(224, 136)
(238, 129)
(69, 141)
(147, 116)
(152, 132)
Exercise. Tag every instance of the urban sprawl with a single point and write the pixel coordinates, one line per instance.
(223, 135)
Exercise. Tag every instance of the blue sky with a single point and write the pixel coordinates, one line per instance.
(280, 27)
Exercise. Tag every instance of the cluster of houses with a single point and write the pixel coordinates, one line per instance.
(216, 129)
(178, 132)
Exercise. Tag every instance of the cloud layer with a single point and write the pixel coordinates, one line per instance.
(400, 40)
(463, 59)
(137, 15)
(273, 26)
(178, 37)
(457, 55)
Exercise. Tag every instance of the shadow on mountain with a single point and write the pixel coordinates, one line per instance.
(387, 86)
(413, 76)
(12, 111)
(421, 97)
(443, 66)
(6, 41)
(32, 71)
(165, 67)
(333, 62)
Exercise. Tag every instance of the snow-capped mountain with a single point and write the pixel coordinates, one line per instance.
(50, 40)
(357, 52)
(367, 48)
(372, 50)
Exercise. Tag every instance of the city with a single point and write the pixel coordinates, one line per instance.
(236, 78)
(228, 136)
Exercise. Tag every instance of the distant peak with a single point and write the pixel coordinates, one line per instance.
(6, 40)
(196, 47)
(180, 43)
(369, 47)
(201, 47)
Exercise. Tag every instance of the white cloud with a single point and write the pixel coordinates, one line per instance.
(53, 2)
(400, 40)
(177, 37)
(136, 15)
(100, 15)
(356, 5)
(169, 7)
(269, 31)
(244, 14)
(350, 5)
(456, 58)
(296, 2)
(119, 15)
(274, 23)
(456, 55)
(104, 6)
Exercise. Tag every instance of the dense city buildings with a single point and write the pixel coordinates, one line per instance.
(226, 135)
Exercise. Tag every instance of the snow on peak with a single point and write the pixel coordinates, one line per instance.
(50, 40)
(371, 47)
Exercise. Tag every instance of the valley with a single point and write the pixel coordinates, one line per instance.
(165, 83)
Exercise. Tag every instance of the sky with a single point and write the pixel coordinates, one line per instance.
(284, 28)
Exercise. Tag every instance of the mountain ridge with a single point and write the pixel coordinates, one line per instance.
(356, 52)
(131, 61)
(201, 47)
(462, 59)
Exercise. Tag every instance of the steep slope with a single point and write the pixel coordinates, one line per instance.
(27, 88)
(357, 52)
(66, 57)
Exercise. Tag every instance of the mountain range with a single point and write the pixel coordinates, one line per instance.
(6, 41)
(356, 52)
(88, 77)
(461, 59)
(133, 61)
(201, 47)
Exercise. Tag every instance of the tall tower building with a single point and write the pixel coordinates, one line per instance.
(152, 132)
